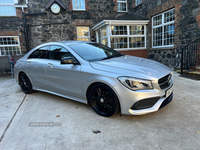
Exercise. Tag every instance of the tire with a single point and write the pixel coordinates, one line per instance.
(103, 100)
(25, 83)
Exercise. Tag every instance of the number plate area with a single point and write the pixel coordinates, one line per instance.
(169, 91)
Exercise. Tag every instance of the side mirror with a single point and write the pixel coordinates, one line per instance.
(69, 60)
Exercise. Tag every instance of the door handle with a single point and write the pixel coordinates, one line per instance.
(50, 65)
(29, 64)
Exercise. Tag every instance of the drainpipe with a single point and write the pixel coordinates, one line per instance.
(25, 26)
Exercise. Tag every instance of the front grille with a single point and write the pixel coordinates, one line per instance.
(165, 81)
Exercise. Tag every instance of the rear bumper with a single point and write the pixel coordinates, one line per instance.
(159, 104)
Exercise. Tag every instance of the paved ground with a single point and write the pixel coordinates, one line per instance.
(175, 127)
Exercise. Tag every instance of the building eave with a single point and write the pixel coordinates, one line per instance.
(24, 6)
(119, 22)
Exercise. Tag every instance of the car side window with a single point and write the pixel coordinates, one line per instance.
(40, 53)
(57, 53)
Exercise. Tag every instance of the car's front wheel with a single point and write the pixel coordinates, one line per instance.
(103, 100)
(25, 83)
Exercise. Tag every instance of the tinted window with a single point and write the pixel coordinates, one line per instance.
(40, 53)
(57, 52)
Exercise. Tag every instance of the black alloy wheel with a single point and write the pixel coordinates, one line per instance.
(103, 100)
(25, 83)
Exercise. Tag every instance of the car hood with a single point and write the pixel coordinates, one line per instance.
(132, 66)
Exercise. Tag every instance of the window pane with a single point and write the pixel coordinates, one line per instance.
(11, 46)
(136, 30)
(157, 36)
(157, 20)
(99, 37)
(103, 32)
(117, 43)
(105, 41)
(135, 42)
(57, 53)
(11, 50)
(6, 10)
(6, 1)
(83, 34)
(40, 53)
(169, 34)
(138, 2)
(83, 31)
(121, 6)
(164, 35)
(79, 4)
(2, 50)
(169, 16)
(119, 30)
(8, 40)
(83, 39)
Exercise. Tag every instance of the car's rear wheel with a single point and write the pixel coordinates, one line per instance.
(25, 83)
(103, 100)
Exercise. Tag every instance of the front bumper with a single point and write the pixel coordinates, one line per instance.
(129, 98)
(160, 104)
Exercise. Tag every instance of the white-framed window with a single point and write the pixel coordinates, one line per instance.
(104, 38)
(163, 29)
(9, 45)
(128, 37)
(138, 2)
(78, 4)
(83, 33)
(121, 5)
(7, 8)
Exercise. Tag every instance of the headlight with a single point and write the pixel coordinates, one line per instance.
(135, 84)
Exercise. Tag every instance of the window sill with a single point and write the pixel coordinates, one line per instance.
(79, 10)
(10, 16)
(121, 11)
(131, 49)
(162, 48)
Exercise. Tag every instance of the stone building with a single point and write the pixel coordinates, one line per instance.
(11, 27)
(144, 28)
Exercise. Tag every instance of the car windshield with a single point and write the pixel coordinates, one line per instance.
(95, 51)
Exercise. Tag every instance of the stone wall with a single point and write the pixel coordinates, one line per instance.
(139, 53)
(165, 56)
(51, 27)
(187, 25)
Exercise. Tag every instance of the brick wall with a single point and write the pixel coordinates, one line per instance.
(138, 53)
(13, 26)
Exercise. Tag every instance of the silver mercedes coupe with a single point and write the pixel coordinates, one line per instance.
(97, 75)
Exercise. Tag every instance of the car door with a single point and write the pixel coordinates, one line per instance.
(64, 79)
(35, 67)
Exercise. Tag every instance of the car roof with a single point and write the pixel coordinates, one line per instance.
(74, 42)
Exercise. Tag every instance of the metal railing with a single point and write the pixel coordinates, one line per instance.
(190, 55)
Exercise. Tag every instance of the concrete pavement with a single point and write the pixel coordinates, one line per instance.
(176, 126)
